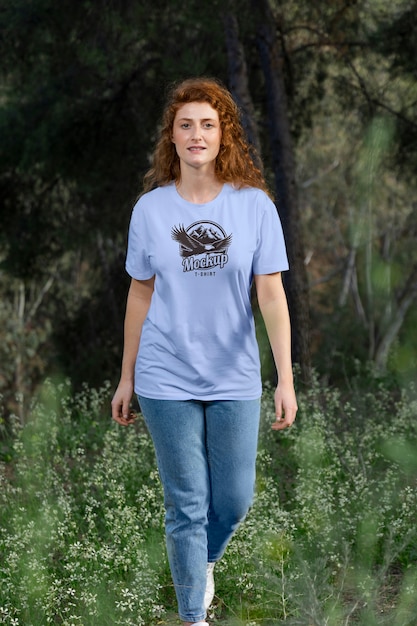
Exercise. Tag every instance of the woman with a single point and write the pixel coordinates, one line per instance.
(204, 229)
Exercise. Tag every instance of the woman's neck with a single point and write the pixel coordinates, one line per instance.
(199, 190)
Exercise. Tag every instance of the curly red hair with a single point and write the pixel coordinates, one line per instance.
(234, 163)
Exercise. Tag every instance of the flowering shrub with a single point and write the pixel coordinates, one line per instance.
(351, 469)
(78, 515)
(330, 539)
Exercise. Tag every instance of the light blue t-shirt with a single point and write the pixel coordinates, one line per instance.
(198, 340)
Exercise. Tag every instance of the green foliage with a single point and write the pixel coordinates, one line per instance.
(81, 87)
(330, 540)
(79, 518)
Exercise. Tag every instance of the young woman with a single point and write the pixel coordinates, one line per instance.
(202, 232)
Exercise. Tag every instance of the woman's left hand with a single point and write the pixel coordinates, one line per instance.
(285, 406)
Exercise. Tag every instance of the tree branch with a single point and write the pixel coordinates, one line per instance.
(405, 299)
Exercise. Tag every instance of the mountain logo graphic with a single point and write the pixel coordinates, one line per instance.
(202, 238)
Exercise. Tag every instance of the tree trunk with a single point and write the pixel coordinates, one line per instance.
(20, 387)
(296, 282)
(239, 85)
(406, 298)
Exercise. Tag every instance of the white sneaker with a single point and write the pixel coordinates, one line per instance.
(209, 595)
(201, 624)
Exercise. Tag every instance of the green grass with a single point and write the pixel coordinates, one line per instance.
(330, 541)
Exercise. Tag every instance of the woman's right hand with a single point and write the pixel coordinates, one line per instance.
(120, 405)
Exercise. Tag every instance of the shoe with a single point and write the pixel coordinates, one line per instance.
(201, 624)
(209, 595)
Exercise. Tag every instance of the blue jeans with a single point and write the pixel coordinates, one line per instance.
(206, 455)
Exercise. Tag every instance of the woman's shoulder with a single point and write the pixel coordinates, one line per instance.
(156, 193)
(148, 198)
(254, 194)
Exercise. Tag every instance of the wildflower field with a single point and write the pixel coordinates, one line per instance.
(331, 539)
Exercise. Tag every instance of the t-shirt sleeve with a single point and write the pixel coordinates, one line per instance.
(137, 259)
(270, 254)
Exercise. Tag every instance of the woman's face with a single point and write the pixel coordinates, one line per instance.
(196, 134)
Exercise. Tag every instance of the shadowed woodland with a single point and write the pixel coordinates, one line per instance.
(327, 92)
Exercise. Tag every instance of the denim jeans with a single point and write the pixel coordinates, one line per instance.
(206, 455)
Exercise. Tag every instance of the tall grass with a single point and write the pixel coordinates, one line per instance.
(331, 538)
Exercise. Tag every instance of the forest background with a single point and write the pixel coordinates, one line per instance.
(328, 95)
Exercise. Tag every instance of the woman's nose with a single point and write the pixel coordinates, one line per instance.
(196, 133)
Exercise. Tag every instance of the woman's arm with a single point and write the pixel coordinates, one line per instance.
(274, 309)
(137, 306)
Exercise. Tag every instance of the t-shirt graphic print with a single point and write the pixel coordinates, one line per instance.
(202, 245)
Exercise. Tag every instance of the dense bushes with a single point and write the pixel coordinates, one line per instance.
(331, 538)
